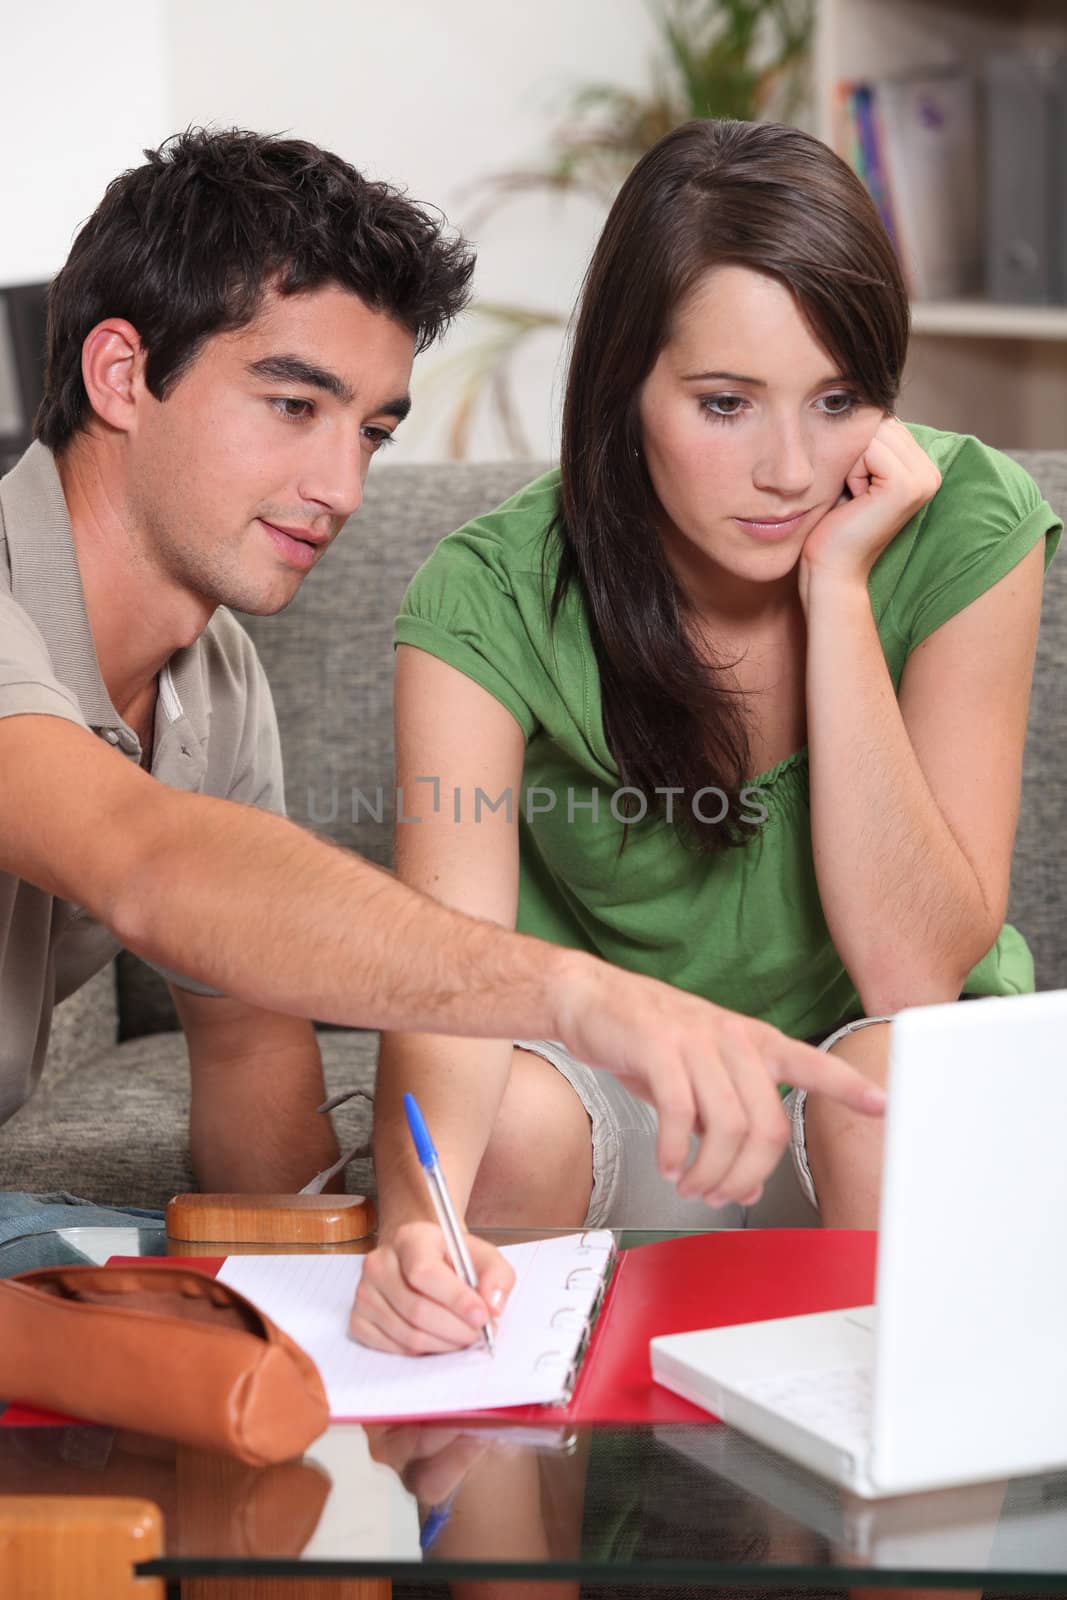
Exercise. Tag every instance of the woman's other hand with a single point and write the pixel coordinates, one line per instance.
(892, 480)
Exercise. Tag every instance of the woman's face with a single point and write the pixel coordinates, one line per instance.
(748, 430)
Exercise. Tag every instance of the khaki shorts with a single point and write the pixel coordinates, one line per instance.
(628, 1189)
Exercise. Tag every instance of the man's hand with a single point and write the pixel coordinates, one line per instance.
(707, 1071)
(411, 1299)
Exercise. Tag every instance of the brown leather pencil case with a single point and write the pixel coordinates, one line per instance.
(162, 1350)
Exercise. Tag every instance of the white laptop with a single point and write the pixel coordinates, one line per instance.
(958, 1373)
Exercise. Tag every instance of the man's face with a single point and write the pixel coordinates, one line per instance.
(240, 480)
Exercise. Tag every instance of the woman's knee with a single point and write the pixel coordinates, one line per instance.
(844, 1147)
(538, 1166)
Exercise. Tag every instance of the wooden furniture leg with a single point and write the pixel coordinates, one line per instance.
(286, 1589)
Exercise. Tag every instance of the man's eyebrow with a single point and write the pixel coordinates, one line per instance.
(294, 369)
(397, 408)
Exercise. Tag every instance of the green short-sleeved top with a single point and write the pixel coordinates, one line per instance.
(746, 928)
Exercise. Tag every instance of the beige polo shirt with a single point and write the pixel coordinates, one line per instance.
(215, 733)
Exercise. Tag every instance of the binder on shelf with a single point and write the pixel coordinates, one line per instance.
(1058, 198)
(1024, 236)
(919, 138)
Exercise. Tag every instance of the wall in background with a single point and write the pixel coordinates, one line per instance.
(432, 96)
(84, 92)
(425, 94)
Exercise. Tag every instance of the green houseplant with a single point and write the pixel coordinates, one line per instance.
(727, 58)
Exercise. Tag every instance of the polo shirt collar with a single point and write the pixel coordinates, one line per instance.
(46, 583)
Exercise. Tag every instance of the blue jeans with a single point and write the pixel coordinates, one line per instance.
(22, 1215)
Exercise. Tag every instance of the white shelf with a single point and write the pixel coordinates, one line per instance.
(993, 370)
(981, 319)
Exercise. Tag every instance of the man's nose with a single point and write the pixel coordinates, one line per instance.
(335, 477)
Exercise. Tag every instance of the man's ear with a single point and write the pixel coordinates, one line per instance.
(113, 362)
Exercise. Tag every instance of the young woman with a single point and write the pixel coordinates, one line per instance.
(736, 698)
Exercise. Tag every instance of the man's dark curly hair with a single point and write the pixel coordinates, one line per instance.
(185, 247)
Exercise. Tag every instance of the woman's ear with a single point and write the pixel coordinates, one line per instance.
(113, 360)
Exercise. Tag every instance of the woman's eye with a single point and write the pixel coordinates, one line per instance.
(723, 405)
(839, 405)
(293, 410)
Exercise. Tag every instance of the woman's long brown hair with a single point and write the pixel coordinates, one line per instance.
(758, 195)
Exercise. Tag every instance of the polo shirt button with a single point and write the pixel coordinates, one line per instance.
(111, 736)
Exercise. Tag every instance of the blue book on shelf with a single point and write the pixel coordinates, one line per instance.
(877, 178)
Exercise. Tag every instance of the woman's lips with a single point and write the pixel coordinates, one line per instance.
(770, 530)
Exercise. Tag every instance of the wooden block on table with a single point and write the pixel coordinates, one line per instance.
(55, 1546)
(269, 1218)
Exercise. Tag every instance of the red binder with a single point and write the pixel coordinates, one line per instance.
(705, 1280)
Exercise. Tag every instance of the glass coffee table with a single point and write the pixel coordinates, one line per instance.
(621, 1507)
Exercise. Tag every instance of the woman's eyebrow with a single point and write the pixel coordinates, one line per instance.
(739, 377)
(732, 377)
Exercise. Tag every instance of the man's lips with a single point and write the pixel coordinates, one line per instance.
(298, 546)
(305, 535)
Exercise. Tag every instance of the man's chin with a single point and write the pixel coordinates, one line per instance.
(266, 599)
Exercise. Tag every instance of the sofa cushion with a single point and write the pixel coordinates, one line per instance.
(84, 1026)
(117, 1130)
(1038, 902)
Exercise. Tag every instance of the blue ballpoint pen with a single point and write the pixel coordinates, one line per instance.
(442, 1202)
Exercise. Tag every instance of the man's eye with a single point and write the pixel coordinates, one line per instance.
(376, 437)
(293, 410)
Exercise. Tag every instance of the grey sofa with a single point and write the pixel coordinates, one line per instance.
(109, 1120)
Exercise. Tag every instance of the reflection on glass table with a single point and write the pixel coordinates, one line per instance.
(685, 1503)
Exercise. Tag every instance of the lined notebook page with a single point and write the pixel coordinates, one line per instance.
(558, 1283)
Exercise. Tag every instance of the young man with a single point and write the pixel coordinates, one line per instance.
(230, 342)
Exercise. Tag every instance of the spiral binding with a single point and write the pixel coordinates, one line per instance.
(602, 1274)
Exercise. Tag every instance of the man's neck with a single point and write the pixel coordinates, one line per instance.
(138, 614)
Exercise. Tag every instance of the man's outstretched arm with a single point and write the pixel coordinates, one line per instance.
(263, 910)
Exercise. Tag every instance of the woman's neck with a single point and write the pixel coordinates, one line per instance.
(722, 602)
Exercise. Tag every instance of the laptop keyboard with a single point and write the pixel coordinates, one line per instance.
(833, 1402)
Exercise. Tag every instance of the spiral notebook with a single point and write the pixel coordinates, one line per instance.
(675, 1285)
(541, 1338)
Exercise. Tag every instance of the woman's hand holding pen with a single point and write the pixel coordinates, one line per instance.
(892, 480)
(410, 1298)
